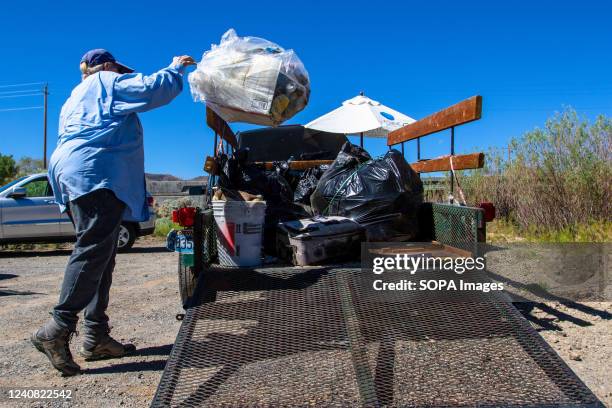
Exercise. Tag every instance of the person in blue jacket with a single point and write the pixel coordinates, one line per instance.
(97, 175)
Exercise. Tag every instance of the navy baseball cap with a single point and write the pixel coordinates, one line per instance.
(100, 56)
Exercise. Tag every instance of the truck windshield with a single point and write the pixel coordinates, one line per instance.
(12, 183)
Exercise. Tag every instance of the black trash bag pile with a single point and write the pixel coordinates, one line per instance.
(382, 194)
(307, 183)
(237, 174)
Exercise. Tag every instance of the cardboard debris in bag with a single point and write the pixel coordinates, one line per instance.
(221, 194)
(252, 80)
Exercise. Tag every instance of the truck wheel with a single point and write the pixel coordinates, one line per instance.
(187, 280)
(127, 236)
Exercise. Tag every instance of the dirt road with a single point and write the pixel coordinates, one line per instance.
(144, 302)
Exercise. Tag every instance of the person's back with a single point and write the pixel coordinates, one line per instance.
(97, 172)
(100, 142)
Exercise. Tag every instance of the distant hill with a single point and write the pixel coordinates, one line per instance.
(170, 177)
(200, 178)
(161, 177)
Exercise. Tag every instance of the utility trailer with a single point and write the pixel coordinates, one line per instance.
(283, 336)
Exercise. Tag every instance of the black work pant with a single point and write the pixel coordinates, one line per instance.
(87, 280)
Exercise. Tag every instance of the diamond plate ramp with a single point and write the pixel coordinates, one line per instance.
(322, 337)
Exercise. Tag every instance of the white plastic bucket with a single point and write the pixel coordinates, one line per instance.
(239, 231)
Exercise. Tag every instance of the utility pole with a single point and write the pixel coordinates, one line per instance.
(45, 93)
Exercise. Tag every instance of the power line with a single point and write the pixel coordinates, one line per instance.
(20, 92)
(19, 96)
(24, 84)
(19, 109)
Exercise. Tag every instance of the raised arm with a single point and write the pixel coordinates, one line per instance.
(140, 93)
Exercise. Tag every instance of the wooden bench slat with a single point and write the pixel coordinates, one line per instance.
(297, 164)
(458, 114)
(460, 162)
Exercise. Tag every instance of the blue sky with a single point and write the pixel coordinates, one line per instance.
(527, 59)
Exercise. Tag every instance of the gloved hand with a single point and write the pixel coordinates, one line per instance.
(180, 63)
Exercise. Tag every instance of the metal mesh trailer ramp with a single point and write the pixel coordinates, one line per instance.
(285, 337)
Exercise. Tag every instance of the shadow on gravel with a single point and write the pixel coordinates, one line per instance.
(526, 308)
(145, 250)
(67, 252)
(156, 365)
(8, 292)
(34, 253)
(154, 351)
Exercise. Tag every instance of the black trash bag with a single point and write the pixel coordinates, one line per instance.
(279, 204)
(320, 155)
(307, 183)
(269, 183)
(231, 175)
(238, 174)
(383, 194)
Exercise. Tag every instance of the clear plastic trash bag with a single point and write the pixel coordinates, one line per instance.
(252, 80)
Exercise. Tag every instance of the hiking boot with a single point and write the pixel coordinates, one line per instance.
(100, 345)
(54, 342)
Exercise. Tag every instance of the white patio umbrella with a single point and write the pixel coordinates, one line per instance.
(361, 116)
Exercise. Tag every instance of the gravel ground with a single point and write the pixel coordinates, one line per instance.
(582, 336)
(144, 302)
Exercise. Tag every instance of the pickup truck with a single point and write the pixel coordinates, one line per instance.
(28, 213)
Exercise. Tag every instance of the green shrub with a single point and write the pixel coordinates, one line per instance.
(27, 166)
(557, 183)
(500, 231)
(163, 227)
(8, 169)
(164, 210)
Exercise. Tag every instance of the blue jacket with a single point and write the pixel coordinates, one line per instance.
(100, 141)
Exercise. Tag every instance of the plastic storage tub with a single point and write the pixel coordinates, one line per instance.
(318, 240)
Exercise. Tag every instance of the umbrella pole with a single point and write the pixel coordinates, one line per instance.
(361, 139)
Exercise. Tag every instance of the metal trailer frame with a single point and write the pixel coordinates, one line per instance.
(285, 336)
(281, 336)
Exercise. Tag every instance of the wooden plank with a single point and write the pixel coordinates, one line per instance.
(297, 164)
(455, 251)
(460, 162)
(458, 114)
(216, 123)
